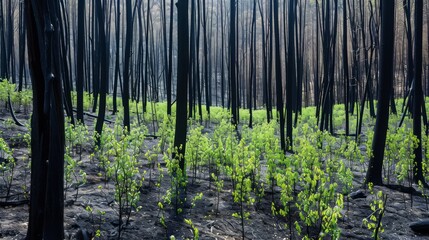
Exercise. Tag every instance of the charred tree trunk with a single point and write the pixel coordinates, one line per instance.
(374, 173)
(279, 87)
(182, 80)
(252, 62)
(232, 64)
(418, 92)
(47, 125)
(206, 58)
(80, 59)
(170, 60)
(103, 68)
(117, 54)
(126, 69)
(291, 75)
(346, 68)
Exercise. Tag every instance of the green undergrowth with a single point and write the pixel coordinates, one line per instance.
(307, 190)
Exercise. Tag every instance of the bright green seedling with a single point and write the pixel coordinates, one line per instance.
(125, 173)
(241, 174)
(97, 219)
(319, 171)
(152, 158)
(166, 133)
(219, 186)
(405, 155)
(161, 215)
(195, 199)
(26, 139)
(104, 151)
(178, 180)
(195, 230)
(7, 90)
(424, 193)
(378, 206)
(195, 150)
(7, 165)
(351, 152)
(73, 176)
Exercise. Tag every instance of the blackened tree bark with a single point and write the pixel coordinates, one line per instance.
(10, 46)
(355, 74)
(103, 68)
(196, 65)
(222, 68)
(95, 47)
(418, 92)
(278, 67)
(21, 46)
(346, 68)
(316, 52)
(192, 64)
(374, 173)
(3, 62)
(206, 59)
(232, 63)
(146, 68)
(80, 59)
(367, 65)
(46, 220)
(67, 73)
(182, 81)
(329, 47)
(265, 86)
(126, 69)
(270, 61)
(164, 41)
(291, 74)
(117, 53)
(410, 62)
(300, 55)
(252, 63)
(170, 60)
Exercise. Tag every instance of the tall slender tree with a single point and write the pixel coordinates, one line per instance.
(346, 68)
(206, 59)
(291, 74)
(374, 173)
(278, 68)
(418, 92)
(182, 81)
(117, 54)
(103, 67)
(126, 69)
(232, 63)
(80, 59)
(170, 60)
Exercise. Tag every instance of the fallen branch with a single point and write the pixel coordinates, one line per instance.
(14, 203)
(94, 116)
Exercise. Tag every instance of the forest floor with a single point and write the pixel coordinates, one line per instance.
(145, 224)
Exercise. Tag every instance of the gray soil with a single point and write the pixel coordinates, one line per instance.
(145, 223)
